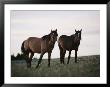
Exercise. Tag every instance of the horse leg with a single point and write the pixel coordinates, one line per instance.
(61, 52)
(49, 56)
(30, 59)
(69, 57)
(75, 56)
(27, 58)
(40, 59)
(63, 55)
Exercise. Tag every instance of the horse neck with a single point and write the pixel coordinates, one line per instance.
(51, 42)
(76, 39)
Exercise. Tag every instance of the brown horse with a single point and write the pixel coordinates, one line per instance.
(39, 45)
(69, 43)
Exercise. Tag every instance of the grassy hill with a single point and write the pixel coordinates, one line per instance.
(87, 66)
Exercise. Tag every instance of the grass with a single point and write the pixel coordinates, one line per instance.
(87, 66)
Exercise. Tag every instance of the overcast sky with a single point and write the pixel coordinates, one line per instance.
(26, 24)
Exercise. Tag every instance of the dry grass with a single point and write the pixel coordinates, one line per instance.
(87, 66)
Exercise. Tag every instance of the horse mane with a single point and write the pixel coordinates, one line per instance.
(46, 37)
(73, 35)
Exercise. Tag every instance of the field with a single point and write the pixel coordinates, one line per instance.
(87, 66)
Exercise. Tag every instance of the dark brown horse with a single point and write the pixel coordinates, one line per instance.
(39, 45)
(69, 43)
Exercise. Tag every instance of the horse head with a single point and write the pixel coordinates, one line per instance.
(53, 35)
(78, 33)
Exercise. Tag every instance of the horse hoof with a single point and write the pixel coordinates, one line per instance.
(28, 67)
(76, 62)
(48, 65)
(37, 67)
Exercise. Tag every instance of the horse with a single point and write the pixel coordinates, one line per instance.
(69, 43)
(39, 45)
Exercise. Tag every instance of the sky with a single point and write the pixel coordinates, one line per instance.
(35, 23)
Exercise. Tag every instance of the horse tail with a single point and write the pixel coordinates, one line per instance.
(59, 43)
(22, 47)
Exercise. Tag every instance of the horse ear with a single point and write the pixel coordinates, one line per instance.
(81, 29)
(75, 30)
(56, 30)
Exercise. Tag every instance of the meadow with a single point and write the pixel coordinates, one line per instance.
(87, 66)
